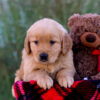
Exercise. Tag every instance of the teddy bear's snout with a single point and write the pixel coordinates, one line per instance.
(90, 38)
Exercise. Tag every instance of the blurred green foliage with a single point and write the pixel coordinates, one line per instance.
(16, 16)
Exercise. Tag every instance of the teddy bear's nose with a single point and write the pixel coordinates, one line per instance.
(90, 38)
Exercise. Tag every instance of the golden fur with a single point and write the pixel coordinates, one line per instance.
(60, 57)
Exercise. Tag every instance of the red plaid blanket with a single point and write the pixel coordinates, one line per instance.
(80, 90)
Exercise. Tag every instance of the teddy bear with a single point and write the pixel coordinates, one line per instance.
(85, 33)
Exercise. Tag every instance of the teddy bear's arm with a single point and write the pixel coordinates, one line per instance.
(77, 77)
(96, 77)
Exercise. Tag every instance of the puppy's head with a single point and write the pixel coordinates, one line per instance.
(46, 40)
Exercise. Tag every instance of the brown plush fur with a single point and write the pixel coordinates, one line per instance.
(60, 57)
(85, 63)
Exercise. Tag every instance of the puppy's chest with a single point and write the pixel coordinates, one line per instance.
(53, 69)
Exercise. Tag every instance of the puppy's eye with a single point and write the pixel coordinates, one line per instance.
(52, 42)
(36, 42)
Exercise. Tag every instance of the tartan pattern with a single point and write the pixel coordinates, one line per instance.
(80, 90)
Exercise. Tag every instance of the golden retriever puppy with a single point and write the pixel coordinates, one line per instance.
(47, 55)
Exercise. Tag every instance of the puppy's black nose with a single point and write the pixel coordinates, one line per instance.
(90, 38)
(43, 57)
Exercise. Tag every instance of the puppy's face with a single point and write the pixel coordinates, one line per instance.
(45, 46)
(46, 42)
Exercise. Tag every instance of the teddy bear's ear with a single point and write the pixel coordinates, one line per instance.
(73, 19)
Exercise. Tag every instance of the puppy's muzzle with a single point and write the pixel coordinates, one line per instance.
(43, 57)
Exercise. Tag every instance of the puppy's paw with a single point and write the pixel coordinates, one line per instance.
(13, 94)
(65, 81)
(45, 82)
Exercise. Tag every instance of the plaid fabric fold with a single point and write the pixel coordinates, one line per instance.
(80, 90)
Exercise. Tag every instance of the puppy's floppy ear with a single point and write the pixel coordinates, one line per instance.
(66, 43)
(27, 45)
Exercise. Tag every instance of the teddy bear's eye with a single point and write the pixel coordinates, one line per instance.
(86, 30)
(36, 42)
(52, 42)
(96, 31)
